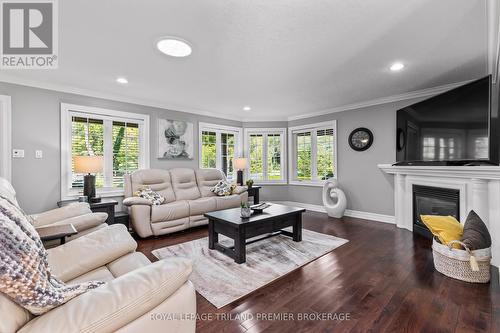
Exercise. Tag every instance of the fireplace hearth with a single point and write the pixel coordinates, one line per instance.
(429, 200)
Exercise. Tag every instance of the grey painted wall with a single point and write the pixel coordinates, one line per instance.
(36, 126)
(366, 187)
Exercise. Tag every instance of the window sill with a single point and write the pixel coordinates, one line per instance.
(280, 182)
(72, 194)
(307, 183)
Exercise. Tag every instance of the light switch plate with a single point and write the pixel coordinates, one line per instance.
(38, 154)
(18, 153)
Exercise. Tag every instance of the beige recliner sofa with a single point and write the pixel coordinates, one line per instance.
(187, 197)
(78, 214)
(139, 296)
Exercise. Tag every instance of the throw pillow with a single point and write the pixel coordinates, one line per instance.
(223, 188)
(476, 235)
(25, 274)
(445, 228)
(153, 197)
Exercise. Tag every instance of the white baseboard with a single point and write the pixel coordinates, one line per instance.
(349, 212)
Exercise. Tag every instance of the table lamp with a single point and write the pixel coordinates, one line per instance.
(89, 165)
(240, 164)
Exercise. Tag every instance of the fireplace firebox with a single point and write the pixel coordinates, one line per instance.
(429, 200)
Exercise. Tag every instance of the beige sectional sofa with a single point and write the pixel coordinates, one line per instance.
(187, 197)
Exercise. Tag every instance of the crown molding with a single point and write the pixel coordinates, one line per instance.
(111, 96)
(383, 100)
(162, 105)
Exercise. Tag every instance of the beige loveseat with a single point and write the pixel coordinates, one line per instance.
(139, 296)
(187, 197)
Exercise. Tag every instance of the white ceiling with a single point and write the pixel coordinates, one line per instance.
(284, 58)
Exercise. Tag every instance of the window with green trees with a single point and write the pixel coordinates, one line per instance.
(117, 139)
(265, 147)
(218, 148)
(313, 152)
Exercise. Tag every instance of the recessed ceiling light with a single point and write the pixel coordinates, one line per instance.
(397, 66)
(174, 47)
(122, 80)
(247, 108)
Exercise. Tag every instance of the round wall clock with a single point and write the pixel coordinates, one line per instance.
(361, 139)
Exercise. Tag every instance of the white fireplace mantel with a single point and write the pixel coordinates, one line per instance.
(479, 188)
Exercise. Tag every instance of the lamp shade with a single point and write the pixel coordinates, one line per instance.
(241, 163)
(88, 164)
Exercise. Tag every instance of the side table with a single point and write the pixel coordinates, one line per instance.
(254, 192)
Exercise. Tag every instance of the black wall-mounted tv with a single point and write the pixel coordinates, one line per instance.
(458, 127)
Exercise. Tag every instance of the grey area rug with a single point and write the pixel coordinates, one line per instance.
(222, 281)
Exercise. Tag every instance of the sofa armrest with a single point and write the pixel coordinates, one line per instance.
(91, 251)
(118, 302)
(140, 217)
(130, 201)
(240, 189)
(59, 214)
(84, 222)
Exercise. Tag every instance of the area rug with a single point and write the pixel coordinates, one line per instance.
(222, 281)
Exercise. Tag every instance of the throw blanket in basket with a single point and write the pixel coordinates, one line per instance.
(24, 270)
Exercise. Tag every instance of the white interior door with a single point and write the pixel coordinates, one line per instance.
(5, 137)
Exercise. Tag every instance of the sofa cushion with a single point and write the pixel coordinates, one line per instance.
(91, 251)
(171, 211)
(99, 274)
(128, 263)
(202, 205)
(207, 179)
(13, 316)
(155, 179)
(230, 201)
(184, 184)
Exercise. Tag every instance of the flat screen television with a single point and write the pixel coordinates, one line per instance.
(457, 127)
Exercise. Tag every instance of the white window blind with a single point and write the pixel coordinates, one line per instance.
(266, 152)
(313, 153)
(120, 137)
(219, 145)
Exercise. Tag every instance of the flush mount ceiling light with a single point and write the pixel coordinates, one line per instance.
(121, 80)
(397, 66)
(174, 47)
(247, 108)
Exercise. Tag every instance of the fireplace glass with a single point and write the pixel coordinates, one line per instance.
(433, 201)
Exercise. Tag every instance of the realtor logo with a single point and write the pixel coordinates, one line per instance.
(29, 34)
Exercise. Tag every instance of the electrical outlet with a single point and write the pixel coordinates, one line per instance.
(18, 153)
(38, 154)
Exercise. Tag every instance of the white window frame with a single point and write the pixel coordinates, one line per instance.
(6, 137)
(264, 132)
(70, 110)
(292, 159)
(218, 129)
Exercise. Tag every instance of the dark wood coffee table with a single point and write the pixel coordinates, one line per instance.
(269, 223)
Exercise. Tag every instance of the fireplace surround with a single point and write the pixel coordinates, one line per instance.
(478, 188)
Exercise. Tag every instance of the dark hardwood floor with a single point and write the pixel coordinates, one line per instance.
(383, 278)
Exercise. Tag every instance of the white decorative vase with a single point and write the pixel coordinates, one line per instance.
(334, 199)
(246, 212)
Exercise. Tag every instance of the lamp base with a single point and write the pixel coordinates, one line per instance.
(239, 177)
(89, 186)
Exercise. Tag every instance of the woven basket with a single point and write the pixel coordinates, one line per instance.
(464, 265)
